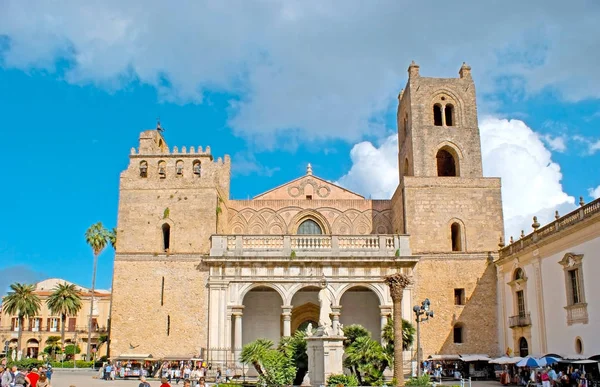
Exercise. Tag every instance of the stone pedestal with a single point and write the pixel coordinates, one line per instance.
(325, 354)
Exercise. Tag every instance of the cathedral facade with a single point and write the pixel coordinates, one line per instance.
(199, 274)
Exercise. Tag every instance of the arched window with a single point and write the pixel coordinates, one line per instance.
(446, 164)
(309, 227)
(449, 113)
(519, 274)
(523, 347)
(166, 232)
(179, 167)
(578, 346)
(143, 169)
(458, 333)
(162, 169)
(197, 167)
(406, 167)
(405, 124)
(456, 236)
(437, 114)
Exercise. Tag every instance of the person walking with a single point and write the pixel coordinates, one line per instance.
(164, 382)
(43, 381)
(143, 382)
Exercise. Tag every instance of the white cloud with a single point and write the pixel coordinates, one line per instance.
(321, 69)
(558, 143)
(374, 171)
(592, 145)
(594, 192)
(531, 181)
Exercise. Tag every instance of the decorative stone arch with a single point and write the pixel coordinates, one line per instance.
(454, 151)
(257, 224)
(444, 96)
(275, 223)
(245, 289)
(295, 288)
(160, 234)
(381, 223)
(462, 234)
(313, 215)
(303, 313)
(362, 225)
(342, 225)
(375, 288)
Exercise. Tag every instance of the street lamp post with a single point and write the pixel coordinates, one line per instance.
(422, 313)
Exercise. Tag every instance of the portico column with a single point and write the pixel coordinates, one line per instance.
(335, 318)
(237, 333)
(384, 313)
(287, 320)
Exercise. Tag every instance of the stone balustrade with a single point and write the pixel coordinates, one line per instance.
(309, 245)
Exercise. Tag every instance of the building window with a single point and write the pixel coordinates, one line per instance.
(162, 292)
(456, 235)
(168, 325)
(446, 164)
(523, 347)
(575, 289)
(179, 168)
(458, 334)
(574, 285)
(197, 168)
(14, 324)
(166, 233)
(35, 324)
(520, 303)
(309, 227)
(519, 274)
(449, 114)
(72, 324)
(143, 169)
(406, 167)
(459, 296)
(578, 346)
(53, 324)
(437, 115)
(162, 169)
(308, 197)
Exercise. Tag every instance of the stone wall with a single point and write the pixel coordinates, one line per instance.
(436, 277)
(434, 203)
(150, 319)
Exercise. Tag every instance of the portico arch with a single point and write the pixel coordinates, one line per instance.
(360, 305)
(262, 317)
(313, 215)
(305, 302)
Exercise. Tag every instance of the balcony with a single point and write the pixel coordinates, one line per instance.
(310, 246)
(520, 320)
(577, 314)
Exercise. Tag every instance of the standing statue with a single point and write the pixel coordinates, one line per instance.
(325, 309)
(309, 329)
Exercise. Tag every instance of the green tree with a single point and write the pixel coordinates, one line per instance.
(365, 358)
(397, 283)
(408, 334)
(64, 301)
(52, 346)
(97, 237)
(22, 302)
(295, 347)
(254, 353)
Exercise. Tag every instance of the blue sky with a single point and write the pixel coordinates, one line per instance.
(275, 85)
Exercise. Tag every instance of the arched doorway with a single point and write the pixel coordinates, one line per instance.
(33, 348)
(262, 315)
(306, 308)
(523, 347)
(360, 305)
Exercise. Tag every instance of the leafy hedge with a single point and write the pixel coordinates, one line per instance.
(30, 363)
(344, 380)
(420, 381)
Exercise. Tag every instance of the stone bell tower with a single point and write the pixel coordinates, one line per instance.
(452, 213)
(447, 201)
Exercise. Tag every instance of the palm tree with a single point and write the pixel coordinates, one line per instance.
(112, 238)
(64, 301)
(397, 283)
(97, 237)
(254, 353)
(23, 302)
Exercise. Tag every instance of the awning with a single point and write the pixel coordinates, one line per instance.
(444, 357)
(177, 357)
(476, 357)
(506, 360)
(133, 356)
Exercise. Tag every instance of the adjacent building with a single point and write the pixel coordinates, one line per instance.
(547, 286)
(200, 274)
(38, 329)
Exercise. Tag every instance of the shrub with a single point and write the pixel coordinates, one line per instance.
(69, 364)
(25, 363)
(420, 381)
(345, 380)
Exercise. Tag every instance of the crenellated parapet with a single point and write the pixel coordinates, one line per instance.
(155, 165)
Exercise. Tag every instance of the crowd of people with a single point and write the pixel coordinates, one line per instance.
(546, 377)
(15, 377)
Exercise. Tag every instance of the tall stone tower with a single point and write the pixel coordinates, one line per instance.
(451, 212)
(169, 206)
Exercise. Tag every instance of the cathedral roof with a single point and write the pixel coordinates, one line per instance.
(309, 186)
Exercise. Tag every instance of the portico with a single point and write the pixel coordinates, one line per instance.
(256, 290)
